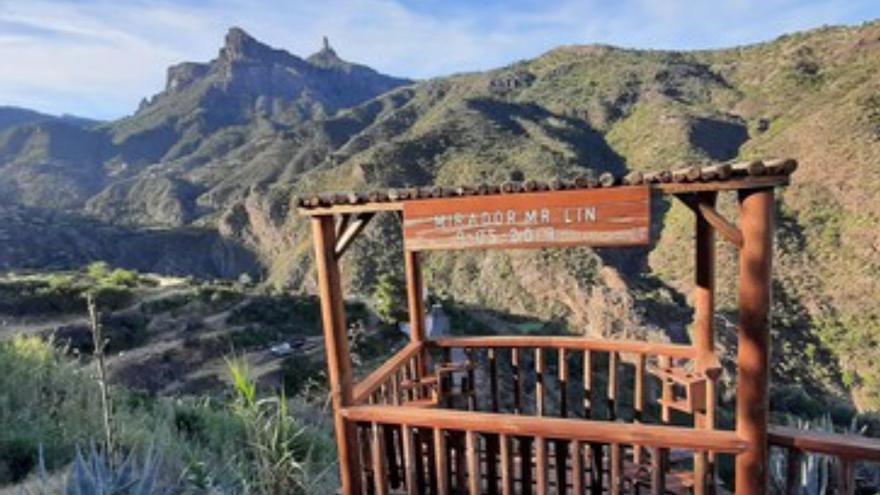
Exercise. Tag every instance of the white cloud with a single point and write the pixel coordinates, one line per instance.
(99, 57)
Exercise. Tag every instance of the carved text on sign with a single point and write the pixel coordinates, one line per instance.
(603, 217)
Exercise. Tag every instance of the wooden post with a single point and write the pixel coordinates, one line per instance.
(338, 357)
(416, 305)
(414, 296)
(753, 350)
(704, 332)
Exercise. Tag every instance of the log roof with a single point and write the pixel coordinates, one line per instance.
(751, 174)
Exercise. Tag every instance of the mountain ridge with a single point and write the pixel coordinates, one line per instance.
(572, 111)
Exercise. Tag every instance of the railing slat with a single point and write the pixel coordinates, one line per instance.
(658, 471)
(541, 465)
(441, 459)
(506, 465)
(473, 462)
(561, 446)
(616, 470)
(577, 468)
(409, 461)
(380, 476)
(588, 383)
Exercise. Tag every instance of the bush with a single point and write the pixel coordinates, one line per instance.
(298, 372)
(390, 297)
(46, 400)
(121, 278)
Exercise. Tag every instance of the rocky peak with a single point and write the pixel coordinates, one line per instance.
(240, 45)
(327, 57)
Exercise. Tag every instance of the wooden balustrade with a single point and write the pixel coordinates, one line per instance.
(510, 437)
(392, 375)
(847, 449)
(436, 449)
(446, 451)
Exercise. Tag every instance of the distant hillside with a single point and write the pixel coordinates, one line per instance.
(227, 144)
(199, 139)
(15, 116)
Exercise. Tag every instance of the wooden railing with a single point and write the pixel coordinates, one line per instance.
(558, 415)
(383, 386)
(848, 449)
(495, 375)
(443, 451)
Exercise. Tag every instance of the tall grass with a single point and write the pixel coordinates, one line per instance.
(245, 445)
(278, 449)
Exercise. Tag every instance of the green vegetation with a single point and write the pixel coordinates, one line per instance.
(390, 297)
(248, 445)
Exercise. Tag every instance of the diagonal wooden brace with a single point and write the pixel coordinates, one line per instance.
(728, 231)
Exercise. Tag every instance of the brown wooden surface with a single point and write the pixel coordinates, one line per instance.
(657, 178)
(409, 461)
(506, 465)
(595, 217)
(753, 350)
(571, 343)
(336, 346)
(472, 446)
(850, 446)
(552, 428)
(704, 322)
(541, 464)
(380, 471)
(383, 373)
(577, 467)
(441, 461)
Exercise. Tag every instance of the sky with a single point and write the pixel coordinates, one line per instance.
(98, 58)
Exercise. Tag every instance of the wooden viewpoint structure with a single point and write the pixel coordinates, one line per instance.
(548, 414)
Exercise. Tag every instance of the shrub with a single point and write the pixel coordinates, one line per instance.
(98, 270)
(298, 372)
(390, 297)
(121, 278)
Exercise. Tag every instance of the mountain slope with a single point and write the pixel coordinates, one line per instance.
(227, 144)
(149, 168)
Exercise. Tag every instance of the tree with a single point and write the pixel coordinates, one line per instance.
(390, 297)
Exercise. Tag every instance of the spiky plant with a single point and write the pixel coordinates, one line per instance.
(96, 474)
(816, 469)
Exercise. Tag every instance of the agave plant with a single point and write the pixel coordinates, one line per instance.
(96, 474)
(816, 469)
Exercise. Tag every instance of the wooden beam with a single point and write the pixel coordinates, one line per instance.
(338, 357)
(733, 184)
(603, 432)
(753, 348)
(571, 343)
(351, 232)
(704, 209)
(342, 223)
(841, 445)
(415, 295)
(704, 327)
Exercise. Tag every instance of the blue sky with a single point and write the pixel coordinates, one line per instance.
(98, 58)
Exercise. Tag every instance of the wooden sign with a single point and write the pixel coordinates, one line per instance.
(619, 216)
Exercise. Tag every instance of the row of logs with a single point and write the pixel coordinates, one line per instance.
(723, 171)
